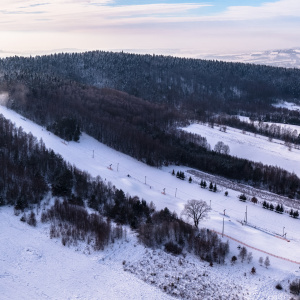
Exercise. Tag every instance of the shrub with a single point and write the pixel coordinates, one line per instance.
(23, 218)
(233, 259)
(295, 287)
(242, 197)
(173, 248)
(278, 286)
(32, 219)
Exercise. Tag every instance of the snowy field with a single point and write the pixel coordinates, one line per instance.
(34, 267)
(31, 253)
(252, 147)
(288, 105)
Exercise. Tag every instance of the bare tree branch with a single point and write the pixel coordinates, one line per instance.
(196, 210)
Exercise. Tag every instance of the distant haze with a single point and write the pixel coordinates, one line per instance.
(214, 26)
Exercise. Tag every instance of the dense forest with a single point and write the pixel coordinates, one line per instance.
(135, 104)
(190, 83)
(29, 171)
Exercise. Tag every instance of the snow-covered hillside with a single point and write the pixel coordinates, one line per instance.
(252, 147)
(32, 247)
(287, 58)
(34, 267)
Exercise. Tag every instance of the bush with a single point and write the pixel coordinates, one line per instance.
(295, 287)
(242, 197)
(32, 219)
(23, 218)
(278, 286)
(173, 248)
(233, 259)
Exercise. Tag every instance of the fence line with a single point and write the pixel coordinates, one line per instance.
(283, 258)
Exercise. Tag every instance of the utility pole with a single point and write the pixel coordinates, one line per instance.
(175, 192)
(118, 167)
(223, 228)
(145, 179)
(224, 212)
(246, 215)
(283, 231)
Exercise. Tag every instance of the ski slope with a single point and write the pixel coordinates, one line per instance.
(34, 267)
(252, 147)
(148, 183)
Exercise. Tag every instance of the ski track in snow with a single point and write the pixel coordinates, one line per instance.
(27, 254)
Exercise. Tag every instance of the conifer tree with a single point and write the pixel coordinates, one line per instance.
(215, 188)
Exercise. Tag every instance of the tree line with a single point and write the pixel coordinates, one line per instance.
(49, 94)
(278, 131)
(29, 172)
(146, 131)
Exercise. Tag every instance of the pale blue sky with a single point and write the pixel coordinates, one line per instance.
(209, 26)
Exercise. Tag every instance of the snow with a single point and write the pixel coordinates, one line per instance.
(252, 147)
(288, 105)
(34, 267)
(287, 58)
(27, 253)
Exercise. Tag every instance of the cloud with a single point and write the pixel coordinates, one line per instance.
(267, 10)
(48, 24)
(68, 15)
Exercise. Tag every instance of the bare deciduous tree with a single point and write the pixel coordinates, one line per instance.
(196, 210)
(220, 147)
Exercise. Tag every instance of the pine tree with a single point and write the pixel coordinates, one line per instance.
(211, 186)
(215, 188)
(281, 208)
(182, 176)
(296, 214)
(2, 201)
(271, 206)
(204, 184)
(190, 179)
(173, 172)
(267, 262)
(92, 202)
